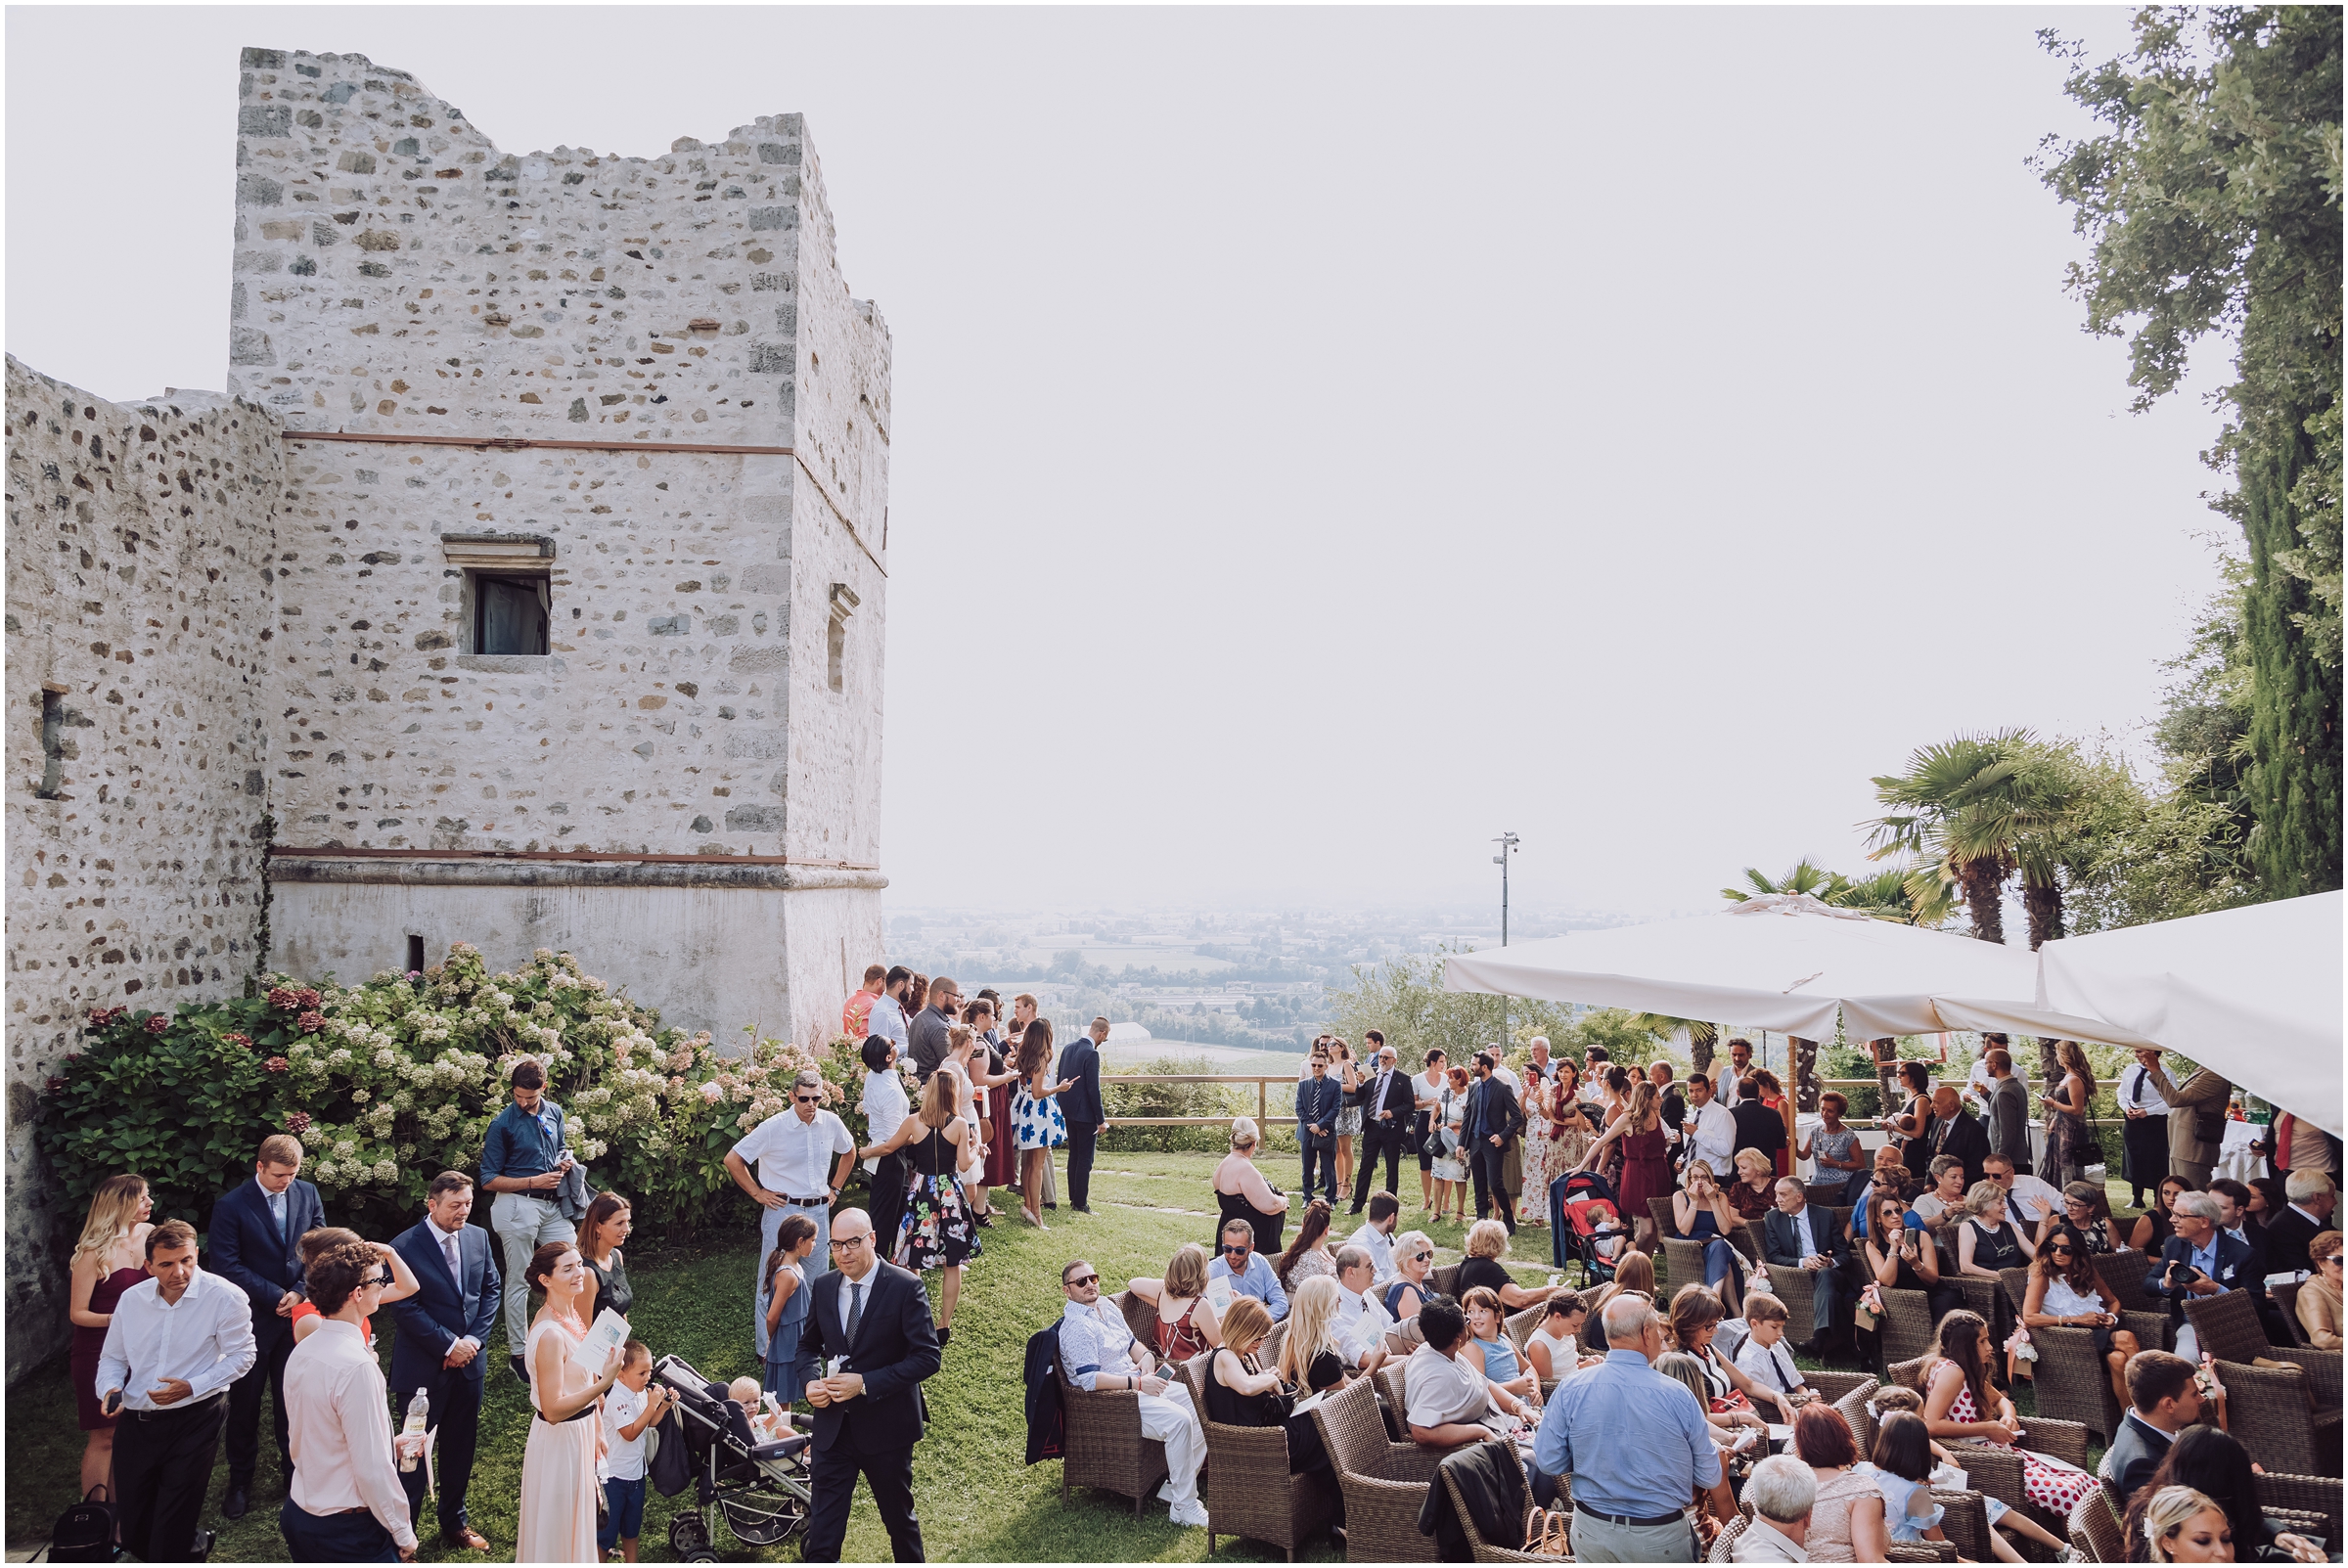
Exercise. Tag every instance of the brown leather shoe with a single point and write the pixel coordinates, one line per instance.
(468, 1539)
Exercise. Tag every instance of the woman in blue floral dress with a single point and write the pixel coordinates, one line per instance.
(939, 1230)
(1036, 1122)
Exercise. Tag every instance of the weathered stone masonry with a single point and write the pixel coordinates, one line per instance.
(639, 382)
(140, 542)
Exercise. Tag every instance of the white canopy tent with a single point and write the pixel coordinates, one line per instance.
(1789, 963)
(2252, 993)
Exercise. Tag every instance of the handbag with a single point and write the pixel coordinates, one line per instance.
(1545, 1533)
(85, 1531)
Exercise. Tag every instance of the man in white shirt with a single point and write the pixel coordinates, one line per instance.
(805, 1155)
(2028, 1198)
(1361, 1324)
(1725, 1080)
(176, 1340)
(345, 1502)
(1449, 1401)
(1782, 1491)
(1710, 1130)
(887, 1018)
(1099, 1351)
(1377, 1238)
(885, 1108)
(1540, 1066)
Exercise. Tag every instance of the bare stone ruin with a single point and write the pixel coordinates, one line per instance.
(526, 589)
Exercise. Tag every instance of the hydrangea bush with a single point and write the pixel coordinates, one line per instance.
(388, 1083)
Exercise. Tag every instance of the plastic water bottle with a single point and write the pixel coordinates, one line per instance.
(420, 1413)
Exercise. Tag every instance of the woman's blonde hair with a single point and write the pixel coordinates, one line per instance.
(1411, 1241)
(959, 1034)
(1688, 1370)
(1245, 1321)
(1310, 1312)
(2167, 1513)
(1185, 1270)
(1244, 1132)
(1981, 1195)
(1487, 1239)
(941, 1097)
(1757, 1161)
(1702, 1168)
(113, 1210)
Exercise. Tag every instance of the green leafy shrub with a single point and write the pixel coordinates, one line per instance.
(388, 1083)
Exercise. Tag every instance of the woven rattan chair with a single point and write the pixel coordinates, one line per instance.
(1982, 1296)
(2124, 1271)
(1444, 1282)
(2287, 1416)
(1920, 1552)
(1141, 1317)
(1384, 1482)
(1827, 1195)
(1726, 1540)
(1103, 1446)
(1244, 1466)
(2286, 1302)
(2070, 1380)
(1792, 1285)
(2094, 1531)
(1519, 1326)
(1851, 1405)
(2314, 1495)
(1907, 1325)
(1996, 1471)
(1485, 1550)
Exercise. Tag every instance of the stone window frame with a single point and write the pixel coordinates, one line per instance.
(844, 601)
(471, 557)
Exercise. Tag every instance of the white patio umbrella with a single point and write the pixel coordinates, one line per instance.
(2251, 993)
(1784, 961)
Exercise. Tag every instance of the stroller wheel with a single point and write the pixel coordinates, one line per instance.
(689, 1538)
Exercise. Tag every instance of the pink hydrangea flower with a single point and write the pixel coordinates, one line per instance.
(282, 1000)
(156, 1023)
(307, 997)
(239, 1040)
(311, 1022)
(297, 1122)
(277, 1065)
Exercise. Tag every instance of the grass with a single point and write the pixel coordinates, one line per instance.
(977, 1501)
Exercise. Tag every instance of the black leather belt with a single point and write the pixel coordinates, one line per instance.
(537, 1415)
(1627, 1521)
(198, 1408)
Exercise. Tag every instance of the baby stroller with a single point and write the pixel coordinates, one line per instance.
(1586, 1225)
(762, 1489)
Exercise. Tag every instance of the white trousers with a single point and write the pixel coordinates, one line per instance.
(1169, 1419)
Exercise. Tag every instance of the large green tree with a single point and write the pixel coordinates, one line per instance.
(1965, 809)
(2212, 203)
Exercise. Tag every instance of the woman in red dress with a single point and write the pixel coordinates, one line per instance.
(1772, 1096)
(109, 1258)
(1646, 1159)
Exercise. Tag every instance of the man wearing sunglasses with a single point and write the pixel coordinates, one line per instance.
(805, 1155)
(1249, 1271)
(1099, 1353)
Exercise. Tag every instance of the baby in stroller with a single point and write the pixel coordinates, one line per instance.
(760, 1487)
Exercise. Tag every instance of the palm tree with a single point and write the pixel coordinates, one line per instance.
(1885, 894)
(1964, 806)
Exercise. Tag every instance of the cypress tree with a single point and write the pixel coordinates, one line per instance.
(2293, 780)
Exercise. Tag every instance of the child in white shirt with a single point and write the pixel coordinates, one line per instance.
(629, 1408)
(1764, 1356)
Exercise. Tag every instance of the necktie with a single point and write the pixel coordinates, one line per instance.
(1778, 1368)
(855, 1309)
(456, 1270)
(2136, 1091)
(277, 1213)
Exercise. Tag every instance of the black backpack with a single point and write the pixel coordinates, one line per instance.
(85, 1532)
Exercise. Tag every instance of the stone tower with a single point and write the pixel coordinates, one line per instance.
(582, 552)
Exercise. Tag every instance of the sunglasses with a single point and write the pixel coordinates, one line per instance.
(2061, 1249)
(2333, 1258)
(1421, 1257)
(808, 1099)
(1237, 1250)
(1086, 1280)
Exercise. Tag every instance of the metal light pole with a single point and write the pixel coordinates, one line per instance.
(1508, 846)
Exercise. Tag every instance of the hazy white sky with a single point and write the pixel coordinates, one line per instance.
(1323, 437)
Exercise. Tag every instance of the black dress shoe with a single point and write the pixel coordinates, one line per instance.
(522, 1369)
(200, 1548)
(1050, 1205)
(237, 1505)
(1080, 1208)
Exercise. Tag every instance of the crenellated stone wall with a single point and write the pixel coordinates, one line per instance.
(139, 601)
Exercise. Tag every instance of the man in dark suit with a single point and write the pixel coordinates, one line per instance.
(2206, 1260)
(869, 1327)
(1080, 1104)
(2233, 1220)
(1388, 1105)
(1757, 1125)
(1492, 1118)
(443, 1328)
(1797, 1236)
(1958, 1133)
(256, 1228)
(1319, 1098)
(2164, 1401)
(2311, 1200)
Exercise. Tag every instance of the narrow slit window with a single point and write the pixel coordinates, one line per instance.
(52, 745)
(415, 954)
(835, 649)
(510, 614)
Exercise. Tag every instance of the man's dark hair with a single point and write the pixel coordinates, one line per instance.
(1442, 1322)
(1382, 1204)
(1998, 1061)
(169, 1233)
(1483, 1060)
(335, 1273)
(530, 1075)
(447, 1182)
(1740, 1041)
(2236, 1191)
(1379, 1035)
(1597, 1053)
(1695, 1078)
(1749, 1088)
(875, 1052)
(1071, 1266)
(2153, 1376)
(897, 973)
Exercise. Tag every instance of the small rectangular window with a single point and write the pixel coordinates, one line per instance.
(510, 614)
(52, 745)
(415, 954)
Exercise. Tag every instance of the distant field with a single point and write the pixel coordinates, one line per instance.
(1225, 1058)
(1118, 955)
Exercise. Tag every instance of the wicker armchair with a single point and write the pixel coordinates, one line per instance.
(1827, 1194)
(1492, 1551)
(1792, 1285)
(1723, 1543)
(1519, 1326)
(2070, 1379)
(2288, 1415)
(2286, 1302)
(2124, 1271)
(1851, 1405)
(1920, 1552)
(1141, 1317)
(1241, 1494)
(1997, 1471)
(1907, 1325)
(1384, 1483)
(1444, 1282)
(1982, 1297)
(1103, 1446)
(2094, 1531)
(2313, 1495)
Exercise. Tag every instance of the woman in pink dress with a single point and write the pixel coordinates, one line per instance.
(1961, 1403)
(1646, 1159)
(559, 1483)
(109, 1258)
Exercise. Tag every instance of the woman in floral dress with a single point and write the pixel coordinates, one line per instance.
(939, 1230)
(1036, 1121)
(2067, 1146)
(1532, 1202)
(1961, 1403)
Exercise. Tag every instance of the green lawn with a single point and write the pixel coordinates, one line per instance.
(977, 1501)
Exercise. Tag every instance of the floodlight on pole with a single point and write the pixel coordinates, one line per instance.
(1508, 846)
